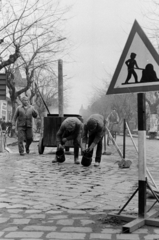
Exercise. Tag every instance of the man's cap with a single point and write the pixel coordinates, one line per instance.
(70, 124)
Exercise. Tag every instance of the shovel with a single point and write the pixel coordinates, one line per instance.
(123, 163)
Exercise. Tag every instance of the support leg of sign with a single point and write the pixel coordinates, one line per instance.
(143, 218)
(124, 138)
(155, 196)
(128, 201)
(147, 171)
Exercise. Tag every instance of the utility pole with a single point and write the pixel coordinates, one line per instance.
(60, 87)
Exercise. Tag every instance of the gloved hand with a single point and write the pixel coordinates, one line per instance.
(64, 140)
(13, 127)
(83, 151)
(60, 146)
(89, 149)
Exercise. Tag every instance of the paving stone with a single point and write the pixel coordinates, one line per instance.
(15, 216)
(39, 228)
(4, 205)
(76, 212)
(24, 235)
(10, 229)
(142, 230)
(68, 204)
(110, 230)
(127, 236)
(100, 236)
(58, 235)
(42, 207)
(14, 210)
(2, 220)
(31, 239)
(151, 237)
(32, 211)
(53, 212)
(21, 206)
(86, 222)
(2, 190)
(38, 216)
(76, 229)
(21, 221)
(66, 222)
(1, 233)
(58, 217)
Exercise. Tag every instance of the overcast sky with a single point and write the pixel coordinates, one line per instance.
(98, 30)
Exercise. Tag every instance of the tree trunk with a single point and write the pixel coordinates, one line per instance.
(13, 108)
(153, 108)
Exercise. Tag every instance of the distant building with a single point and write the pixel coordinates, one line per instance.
(5, 105)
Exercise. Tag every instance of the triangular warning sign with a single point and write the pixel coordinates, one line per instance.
(138, 67)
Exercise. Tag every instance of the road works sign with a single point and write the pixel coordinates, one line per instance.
(138, 66)
(2, 86)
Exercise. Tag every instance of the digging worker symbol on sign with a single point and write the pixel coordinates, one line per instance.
(131, 64)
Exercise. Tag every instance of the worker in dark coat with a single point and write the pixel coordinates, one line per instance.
(113, 120)
(94, 130)
(71, 129)
(23, 116)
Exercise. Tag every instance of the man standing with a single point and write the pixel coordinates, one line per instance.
(113, 120)
(71, 129)
(94, 130)
(23, 115)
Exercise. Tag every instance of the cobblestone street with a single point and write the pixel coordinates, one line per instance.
(42, 200)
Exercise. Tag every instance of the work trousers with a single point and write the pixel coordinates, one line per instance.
(98, 150)
(75, 144)
(24, 134)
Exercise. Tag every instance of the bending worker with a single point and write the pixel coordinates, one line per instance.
(71, 129)
(94, 130)
(23, 115)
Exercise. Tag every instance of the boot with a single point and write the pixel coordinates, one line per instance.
(27, 149)
(96, 164)
(76, 161)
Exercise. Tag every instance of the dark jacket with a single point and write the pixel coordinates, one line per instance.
(99, 131)
(113, 117)
(24, 116)
(113, 120)
(75, 127)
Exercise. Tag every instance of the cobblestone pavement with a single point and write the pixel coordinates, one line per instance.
(40, 200)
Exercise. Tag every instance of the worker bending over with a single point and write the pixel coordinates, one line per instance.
(94, 130)
(70, 129)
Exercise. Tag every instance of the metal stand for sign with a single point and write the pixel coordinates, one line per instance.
(144, 218)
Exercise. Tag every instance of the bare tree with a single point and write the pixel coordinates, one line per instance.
(152, 14)
(36, 28)
(152, 100)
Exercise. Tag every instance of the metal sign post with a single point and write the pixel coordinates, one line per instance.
(142, 154)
